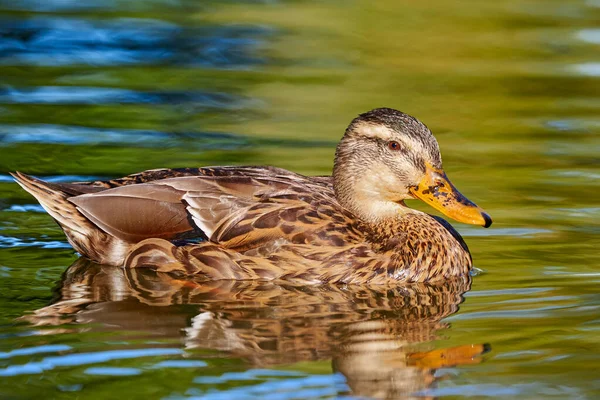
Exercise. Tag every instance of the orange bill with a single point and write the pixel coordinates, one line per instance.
(436, 190)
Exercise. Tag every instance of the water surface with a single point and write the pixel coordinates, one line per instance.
(100, 89)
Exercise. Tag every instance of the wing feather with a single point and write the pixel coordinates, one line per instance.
(137, 212)
(244, 213)
(240, 208)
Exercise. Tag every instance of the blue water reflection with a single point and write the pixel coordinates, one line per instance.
(28, 351)
(98, 95)
(77, 135)
(71, 360)
(95, 89)
(88, 5)
(60, 41)
(308, 387)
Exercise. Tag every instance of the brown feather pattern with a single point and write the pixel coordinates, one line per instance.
(259, 223)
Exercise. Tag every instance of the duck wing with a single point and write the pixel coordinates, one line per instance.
(245, 212)
(137, 212)
(239, 208)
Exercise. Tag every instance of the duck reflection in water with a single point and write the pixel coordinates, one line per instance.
(375, 336)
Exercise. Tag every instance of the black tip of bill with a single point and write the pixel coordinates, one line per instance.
(488, 220)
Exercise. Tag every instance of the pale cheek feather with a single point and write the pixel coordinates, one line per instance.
(377, 184)
(380, 182)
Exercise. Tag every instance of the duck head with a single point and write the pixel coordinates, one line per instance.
(386, 157)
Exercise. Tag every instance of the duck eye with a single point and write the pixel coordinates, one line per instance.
(393, 145)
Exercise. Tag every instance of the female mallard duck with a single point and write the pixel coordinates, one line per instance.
(268, 223)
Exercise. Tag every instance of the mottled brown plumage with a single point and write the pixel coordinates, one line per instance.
(271, 224)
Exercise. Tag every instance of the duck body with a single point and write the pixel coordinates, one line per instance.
(268, 223)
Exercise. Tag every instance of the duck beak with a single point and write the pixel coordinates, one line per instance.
(436, 190)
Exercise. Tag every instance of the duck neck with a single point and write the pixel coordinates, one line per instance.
(360, 192)
(387, 234)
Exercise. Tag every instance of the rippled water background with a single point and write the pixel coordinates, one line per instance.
(98, 89)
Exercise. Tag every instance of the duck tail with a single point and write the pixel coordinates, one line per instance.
(87, 239)
(54, 200)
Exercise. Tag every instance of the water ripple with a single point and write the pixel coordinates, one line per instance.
(26, 208)
(101, 95)
(180, 364)
(54, 41)
(57, 178)
(29, 351)
(504, 292)
(497, 390)
(78, 135)
(588, 68)
(113, 371)
(589, 35)
(519, 314)
(312, 386)
(10, 241)
(517, 232)
(87, 5)
(72, 360)
(249, 375)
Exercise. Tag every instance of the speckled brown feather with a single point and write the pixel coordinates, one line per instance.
(298, 232)
(269, 223)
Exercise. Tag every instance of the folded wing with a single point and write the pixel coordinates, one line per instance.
(238, 211)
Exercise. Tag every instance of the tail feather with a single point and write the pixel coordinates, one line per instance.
(54, 201)
(87, 238)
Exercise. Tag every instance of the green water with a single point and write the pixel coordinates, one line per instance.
(101, 89)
